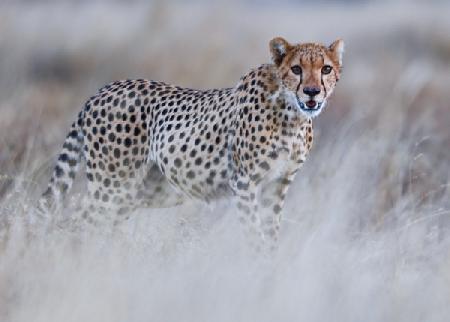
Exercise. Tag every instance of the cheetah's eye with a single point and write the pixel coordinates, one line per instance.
(326, 69)
(297, 70)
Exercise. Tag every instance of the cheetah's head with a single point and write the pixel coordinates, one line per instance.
(308, 72)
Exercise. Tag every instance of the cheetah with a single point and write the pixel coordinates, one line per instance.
(150, 144)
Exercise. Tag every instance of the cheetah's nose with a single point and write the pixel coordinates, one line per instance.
(311, 91)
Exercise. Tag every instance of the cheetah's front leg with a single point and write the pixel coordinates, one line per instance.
(248, 212)
(272, 197)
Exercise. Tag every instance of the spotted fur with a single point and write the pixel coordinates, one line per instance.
(151, 144)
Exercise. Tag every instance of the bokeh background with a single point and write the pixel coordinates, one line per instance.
(366, 227)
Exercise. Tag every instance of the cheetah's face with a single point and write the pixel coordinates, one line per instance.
(308, 72)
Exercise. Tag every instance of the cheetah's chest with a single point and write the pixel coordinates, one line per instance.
(288, 154)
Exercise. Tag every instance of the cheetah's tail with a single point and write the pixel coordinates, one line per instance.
(64, 172)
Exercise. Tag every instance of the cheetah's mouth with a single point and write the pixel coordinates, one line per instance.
(310, 106)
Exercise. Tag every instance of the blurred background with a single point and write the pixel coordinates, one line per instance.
(365, 235)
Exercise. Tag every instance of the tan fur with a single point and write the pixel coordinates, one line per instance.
(311, 57)
(151, 144)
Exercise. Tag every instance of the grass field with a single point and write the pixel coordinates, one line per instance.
(366, 227)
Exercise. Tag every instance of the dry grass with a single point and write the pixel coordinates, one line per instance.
(366, 227)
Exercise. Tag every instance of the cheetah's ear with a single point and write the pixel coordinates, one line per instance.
(279, 48)
(337, 50)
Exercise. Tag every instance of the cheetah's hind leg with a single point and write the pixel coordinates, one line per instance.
(157, 192)
(152, 191)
